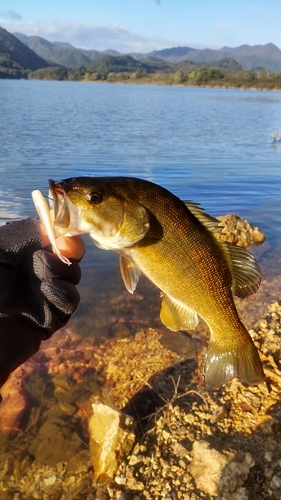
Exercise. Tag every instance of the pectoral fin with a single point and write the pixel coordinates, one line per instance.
(130, 273)
(176, 316)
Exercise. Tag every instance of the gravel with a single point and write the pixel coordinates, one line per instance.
(190, 444)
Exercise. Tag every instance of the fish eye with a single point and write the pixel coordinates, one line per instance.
(94, 197)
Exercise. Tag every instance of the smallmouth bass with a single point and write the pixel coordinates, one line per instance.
(174, 244)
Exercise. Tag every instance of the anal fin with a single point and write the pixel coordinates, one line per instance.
(176, 316)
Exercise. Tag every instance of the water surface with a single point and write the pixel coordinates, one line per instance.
(207, 145)
(212, 146)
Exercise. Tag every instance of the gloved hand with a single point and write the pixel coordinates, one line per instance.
(37, 293)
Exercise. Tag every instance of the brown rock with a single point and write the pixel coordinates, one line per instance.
(239, 231)
(111, 440)
(219, 473)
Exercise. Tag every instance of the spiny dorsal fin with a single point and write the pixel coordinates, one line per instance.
(176, 316)
(245, 271)
(129, 272)
(211, 223)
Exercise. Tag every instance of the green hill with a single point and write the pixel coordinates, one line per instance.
(124, 64)
(16, 60)
(227, 65)
(157, 64)
(93, 54)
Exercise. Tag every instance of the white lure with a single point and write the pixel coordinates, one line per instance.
(44, 215)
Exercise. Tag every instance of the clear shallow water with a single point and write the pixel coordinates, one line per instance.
(212, 146)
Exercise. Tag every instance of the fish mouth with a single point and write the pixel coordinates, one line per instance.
(58, 202)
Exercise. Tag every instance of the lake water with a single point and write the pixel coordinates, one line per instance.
(211, 146)
(208, 145)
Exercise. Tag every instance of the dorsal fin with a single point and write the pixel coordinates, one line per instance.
(211, 223)
(245, 271)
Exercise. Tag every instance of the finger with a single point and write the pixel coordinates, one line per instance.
(63, 295)
(73, 248)
(47, 265)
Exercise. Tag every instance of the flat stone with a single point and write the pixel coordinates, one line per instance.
(111, 439)
(219, 473)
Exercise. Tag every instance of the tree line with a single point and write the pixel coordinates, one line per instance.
(259, 78)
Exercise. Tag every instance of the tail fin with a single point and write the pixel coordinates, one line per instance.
(224, 363)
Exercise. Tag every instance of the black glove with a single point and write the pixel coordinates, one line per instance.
(37, 293)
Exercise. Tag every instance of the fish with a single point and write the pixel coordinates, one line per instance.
(175, 244)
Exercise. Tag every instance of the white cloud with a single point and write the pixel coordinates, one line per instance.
(91, 36)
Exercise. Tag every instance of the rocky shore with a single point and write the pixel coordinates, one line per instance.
(188, 443)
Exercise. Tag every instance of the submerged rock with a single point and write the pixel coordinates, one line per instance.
(239, 231)
(16, 403)
(56, 441)
(111, 440)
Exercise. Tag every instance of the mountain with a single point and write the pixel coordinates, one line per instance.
(20, 52)
(227, 64)
(268, 51)
(127, 64)
(97, 54)
(249, 57)
(62, 53)
(173, 54)
(15, 58)
(155, 64)
(267, 56)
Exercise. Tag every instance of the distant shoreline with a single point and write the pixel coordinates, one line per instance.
(161, 83)
(166, 84)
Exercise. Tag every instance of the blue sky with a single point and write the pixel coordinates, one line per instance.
(145, 25)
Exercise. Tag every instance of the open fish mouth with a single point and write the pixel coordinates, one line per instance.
(59, 203)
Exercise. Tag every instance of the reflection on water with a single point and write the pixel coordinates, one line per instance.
(10, 207)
